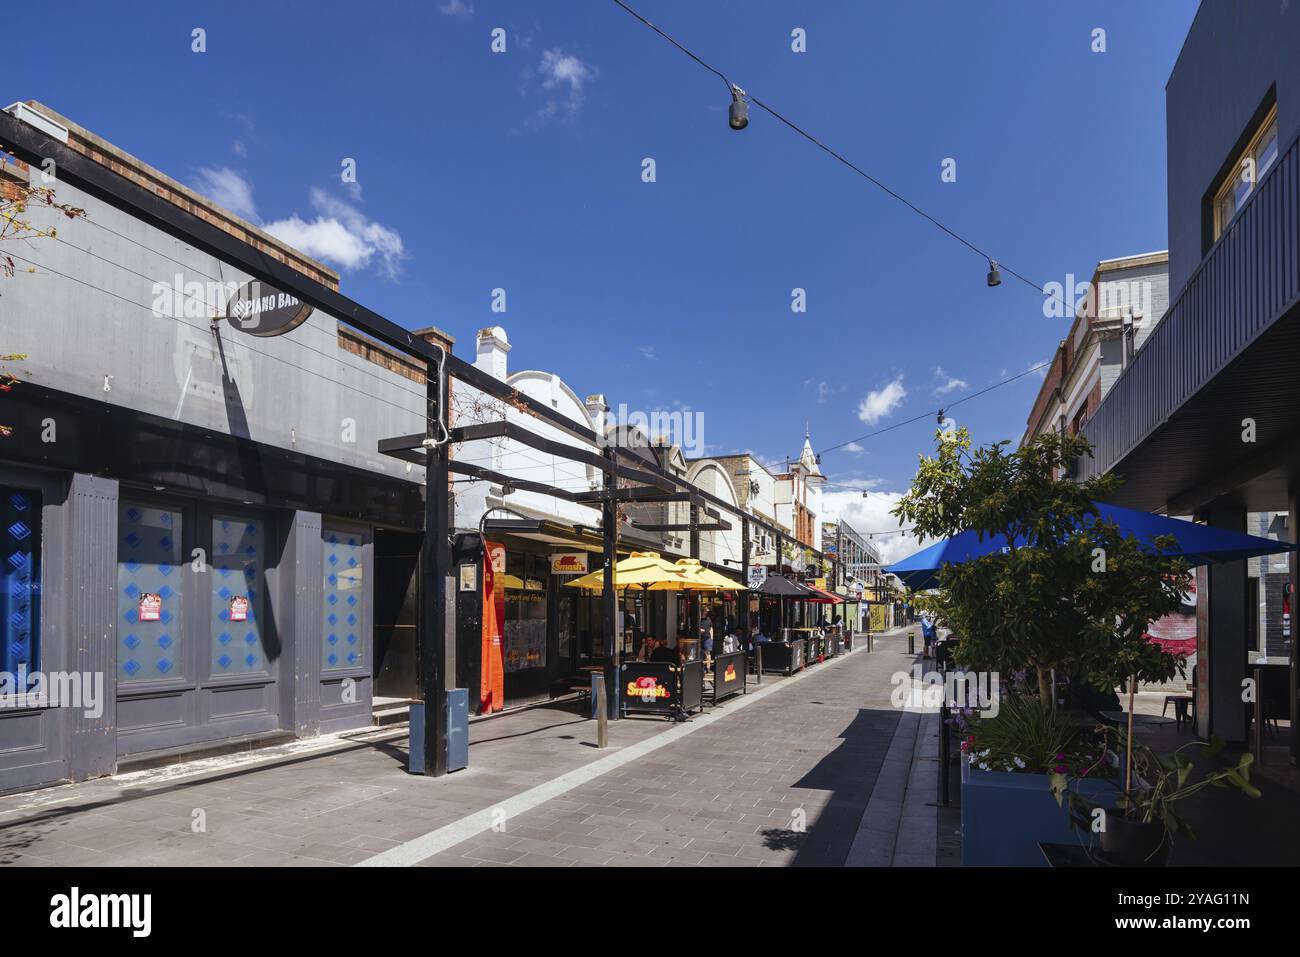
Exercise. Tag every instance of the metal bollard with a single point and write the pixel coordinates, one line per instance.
(911, 642)
(870, 642)
(758, 663)
(602, 709)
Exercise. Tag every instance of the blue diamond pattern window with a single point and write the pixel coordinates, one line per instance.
(149, 611)
(20, 582)
(343, 640)
(238, 560)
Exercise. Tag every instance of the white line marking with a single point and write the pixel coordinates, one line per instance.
(449, 835)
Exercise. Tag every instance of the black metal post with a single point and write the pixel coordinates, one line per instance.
(609, 595)
(1258, 744)
(742, 601)
(944, 755)
(435, 563)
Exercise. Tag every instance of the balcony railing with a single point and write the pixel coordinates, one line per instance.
(1250, 278)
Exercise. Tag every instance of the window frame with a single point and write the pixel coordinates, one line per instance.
(1229, 185)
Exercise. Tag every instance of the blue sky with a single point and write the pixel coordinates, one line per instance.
(522, 170)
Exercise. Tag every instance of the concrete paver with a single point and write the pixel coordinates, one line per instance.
(782, 779)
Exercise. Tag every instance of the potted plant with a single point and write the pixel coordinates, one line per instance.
(1068, 598)
(1136, 822)
(1008, 762)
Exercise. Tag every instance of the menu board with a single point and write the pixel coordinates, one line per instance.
(525, 644)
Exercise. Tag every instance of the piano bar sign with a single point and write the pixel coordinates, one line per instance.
(262, 310)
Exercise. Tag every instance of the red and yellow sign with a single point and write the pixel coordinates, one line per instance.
(729, 674)
(569, 563)
(647, 688)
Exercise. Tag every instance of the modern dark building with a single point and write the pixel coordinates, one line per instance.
(1205, 421)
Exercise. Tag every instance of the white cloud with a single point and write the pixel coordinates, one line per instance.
(647, 351)
(456, 8)
(342, 235)
(566, 77)
(228, 190)
(947, 383)
(871, 514)
(854, 448)
(882, 401)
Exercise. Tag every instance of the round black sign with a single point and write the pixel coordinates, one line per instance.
(262, 310)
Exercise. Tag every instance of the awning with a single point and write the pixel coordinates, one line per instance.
(1196, 544)
(781, 587)
(823, 597)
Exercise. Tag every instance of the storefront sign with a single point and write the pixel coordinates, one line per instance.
(757, 575)
(150, 607)
(262, 310)
(819, 583)
(730, 673)
(569, 563)
(239, 608)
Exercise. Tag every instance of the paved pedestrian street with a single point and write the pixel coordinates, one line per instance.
(816, 769)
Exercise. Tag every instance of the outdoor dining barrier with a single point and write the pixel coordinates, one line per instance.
(784, 656)
(659, 687)
(730, 675)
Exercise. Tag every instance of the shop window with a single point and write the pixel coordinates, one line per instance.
(20, 589)
(525, 611)
(342, 645)
(149, 600)
(238, 554)
(1256, 160)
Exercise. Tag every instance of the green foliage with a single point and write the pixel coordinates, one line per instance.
(1160, 782)
(1070, 593)
(1027, 735)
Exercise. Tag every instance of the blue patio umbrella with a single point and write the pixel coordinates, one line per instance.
(1197, 545)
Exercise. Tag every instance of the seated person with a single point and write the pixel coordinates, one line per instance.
(663, 653)
(648, 645)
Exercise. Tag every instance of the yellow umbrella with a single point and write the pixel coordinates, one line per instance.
(704, 579)
(640, 569)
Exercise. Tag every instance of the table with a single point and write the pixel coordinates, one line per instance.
(1139, 720)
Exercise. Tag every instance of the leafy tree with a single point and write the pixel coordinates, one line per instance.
(1070, 592)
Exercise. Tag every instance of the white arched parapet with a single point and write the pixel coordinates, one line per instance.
(719, 548)
(521, 461)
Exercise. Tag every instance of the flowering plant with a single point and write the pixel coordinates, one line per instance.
(1030, 738)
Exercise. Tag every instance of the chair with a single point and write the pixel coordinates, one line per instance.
(1183, 703)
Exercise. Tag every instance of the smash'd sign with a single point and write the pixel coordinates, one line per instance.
(262, 310)
(569, 563)
(647, 688)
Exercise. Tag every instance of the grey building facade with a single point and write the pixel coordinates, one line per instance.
(196, 517)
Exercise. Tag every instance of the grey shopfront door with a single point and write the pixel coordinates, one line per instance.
(197, 652)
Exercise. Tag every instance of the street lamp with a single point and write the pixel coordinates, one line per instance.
(995, 274)
(738, 115)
